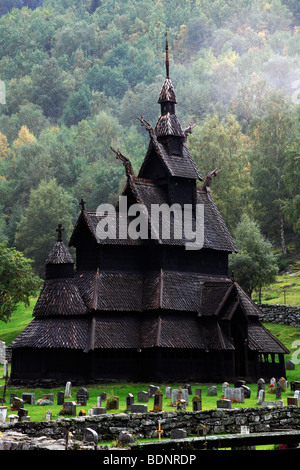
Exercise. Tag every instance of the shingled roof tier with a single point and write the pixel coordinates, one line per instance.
(147, 193)
(59, 255)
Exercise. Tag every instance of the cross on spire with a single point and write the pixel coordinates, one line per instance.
(59, 230)
(82, 202)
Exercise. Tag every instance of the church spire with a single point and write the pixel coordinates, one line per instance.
(167, 56)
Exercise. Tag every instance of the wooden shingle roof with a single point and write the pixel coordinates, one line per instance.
(71, 333)
(59, 255)
(59, 297)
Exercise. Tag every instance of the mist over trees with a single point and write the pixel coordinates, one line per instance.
(77, 73)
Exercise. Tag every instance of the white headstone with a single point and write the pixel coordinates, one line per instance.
(5, 369)
(261, 396)
(68, 390)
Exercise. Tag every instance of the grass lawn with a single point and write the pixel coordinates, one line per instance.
(286, 289)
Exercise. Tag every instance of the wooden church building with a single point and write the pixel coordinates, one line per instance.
(147, 309)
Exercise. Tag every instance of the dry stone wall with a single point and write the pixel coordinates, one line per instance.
(281, 314)
(144, 425)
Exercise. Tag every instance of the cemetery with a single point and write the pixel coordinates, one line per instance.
(186, 413)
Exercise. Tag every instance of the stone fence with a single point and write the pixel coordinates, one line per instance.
(281, 314)
(145, 425)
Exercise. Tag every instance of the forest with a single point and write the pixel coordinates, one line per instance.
(76, 74)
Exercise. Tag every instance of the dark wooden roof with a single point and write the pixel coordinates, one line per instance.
(59, 255)
(167, 92)
(182, 166)
(262, 340)
(168, 124)
(55, 332)
(59, 297)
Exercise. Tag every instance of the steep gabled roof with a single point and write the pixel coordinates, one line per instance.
(59, 255)
(182, 166)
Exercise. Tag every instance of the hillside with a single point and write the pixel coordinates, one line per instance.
(77, 73)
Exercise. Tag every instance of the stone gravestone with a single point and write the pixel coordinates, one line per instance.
(224, 403)
(2, 352)
(143, 396)
(297, 395)
(90, 435)
(50, 397)
(22, 413)
(260, 386)
(135, 408)
(151, 390)
(112, 403)
(180, 394)
(60, 398)
(212, 391)
(261, 396)
(158, 400)
(278, 391)
(12, 396)
(28, 398)
(49, 415)
(198, 392)
(5, 369)
(168, 392)
(247, 391)
(292, 401)
(17, 403)
(98, 410)
(70, 406)
(236, 394)
(224, 386)
(188, 387)
(284, 383)
(82, 396)
(273, 382)
(239, 383)
(125, 437)
(68, 390)
(129, 401)
(197, 403)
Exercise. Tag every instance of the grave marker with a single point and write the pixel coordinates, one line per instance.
(68, 390)
(224, 403)
(143, 396)
(197, 403)
(158, 399)
(129, 401)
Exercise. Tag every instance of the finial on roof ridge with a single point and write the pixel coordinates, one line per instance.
(59, 231)
(167, 56)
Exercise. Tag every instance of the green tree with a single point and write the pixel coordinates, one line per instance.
(49, 205)
(17, 281)
(50, 91)
(78, 106)
(254, 265)
(221, 144)
(272, 137)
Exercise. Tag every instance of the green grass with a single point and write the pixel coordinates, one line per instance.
(286, 289)
(18, 321)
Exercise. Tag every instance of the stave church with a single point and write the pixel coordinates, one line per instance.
(147, 309)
